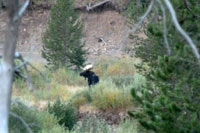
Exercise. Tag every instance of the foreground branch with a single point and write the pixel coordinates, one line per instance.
(7, 64)
(181, 31)
(165, 28)
(142, 18)
(28, 78)
(131, 31)
(22, 120)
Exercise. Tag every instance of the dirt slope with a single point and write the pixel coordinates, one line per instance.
(103, 33)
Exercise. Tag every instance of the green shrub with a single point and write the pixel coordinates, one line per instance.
(106, 95)
(81, 98)
(113, 67)
(55, 129)
(139, 81)
(65, 113)
(49, 123)
(67, 76)
(122, 81)
(129, 126)
(91, 124)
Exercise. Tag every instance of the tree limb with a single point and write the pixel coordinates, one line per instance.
(165, 28)
(89, 7)
(181, 31)
(22, 120)
(25, 60)
(18, 73)
(28, 78)
(142, 18)
(21, 10)
(131, 31)
(44, 77)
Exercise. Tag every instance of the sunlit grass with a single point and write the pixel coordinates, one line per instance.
(108, 97)
(112, 92)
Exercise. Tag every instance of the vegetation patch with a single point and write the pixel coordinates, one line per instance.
(65, 113)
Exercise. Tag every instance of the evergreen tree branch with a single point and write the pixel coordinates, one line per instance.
(181, 31)
(189, 9)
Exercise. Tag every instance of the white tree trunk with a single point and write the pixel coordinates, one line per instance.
(6, 66)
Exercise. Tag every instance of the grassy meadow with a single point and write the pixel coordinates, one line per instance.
(56, 106)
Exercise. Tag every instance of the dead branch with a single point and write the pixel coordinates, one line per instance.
(28, 78)
(131, 31)
(24, 64)
(22, 120)
(44, 77)
(90, 6)
(18, 73)
(142, 18)
(25, 60)
(18, 102)
(21, 11)
(181, 31)
(165, 27)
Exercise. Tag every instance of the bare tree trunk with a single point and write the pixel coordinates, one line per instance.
(6, 67)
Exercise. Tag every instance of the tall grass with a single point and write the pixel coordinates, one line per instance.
(113, 91)
(107, 96)
(129, 126)
(117, 78)
(116, 66)
(92, 124)
(62, 83)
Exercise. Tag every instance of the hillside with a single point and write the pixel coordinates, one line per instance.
(104, 32)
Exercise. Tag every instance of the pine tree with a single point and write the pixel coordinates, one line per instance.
(62, 40)
(170, 101)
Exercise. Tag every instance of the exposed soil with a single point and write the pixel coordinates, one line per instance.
(33, 25)
(112, 117)
(104, 33)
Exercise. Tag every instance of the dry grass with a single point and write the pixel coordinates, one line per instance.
(112, 92)
(116, 66)
(62, 83)
(111, 99)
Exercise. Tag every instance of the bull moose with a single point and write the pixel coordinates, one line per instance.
(90, 75)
